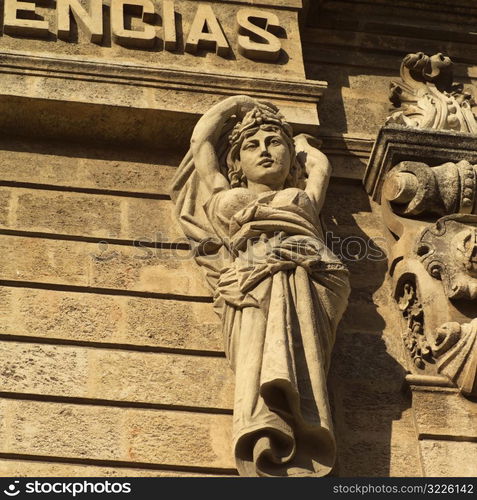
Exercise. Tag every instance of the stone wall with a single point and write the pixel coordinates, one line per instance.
(358, 47)
(111, 356)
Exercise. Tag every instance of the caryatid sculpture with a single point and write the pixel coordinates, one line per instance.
(248, 196)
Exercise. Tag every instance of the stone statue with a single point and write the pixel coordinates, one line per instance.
(248, 196)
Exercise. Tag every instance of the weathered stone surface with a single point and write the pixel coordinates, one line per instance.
(87, 167)
(89, 215)
(63, 315)
(375, 430)
(100, 265)
(66, 213)
(354, 234)
(4, 206)
(448, 458)
(104, 433)
(32, 259)
(160, 224)
(113, 319)
(373, 364)
(166, 379)
(39, 429)
(380, 457)
(27, 468)
(358, 402)
(443, 412)
(169, 379)
(346, 202)
(146, 269)
(158, 437)
(41, 369)
(171, 323)
(369, 311)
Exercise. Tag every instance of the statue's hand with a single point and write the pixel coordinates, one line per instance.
(240, 105)
(308, 153)
(306, 141)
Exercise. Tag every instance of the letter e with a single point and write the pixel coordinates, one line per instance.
(13, 25)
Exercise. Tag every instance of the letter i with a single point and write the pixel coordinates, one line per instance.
(169, 25)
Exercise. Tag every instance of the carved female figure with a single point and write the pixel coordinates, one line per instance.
(249, 196)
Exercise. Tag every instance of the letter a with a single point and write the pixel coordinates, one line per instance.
(212, 39)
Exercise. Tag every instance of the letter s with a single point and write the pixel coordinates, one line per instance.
(269, 48)
(126, 487)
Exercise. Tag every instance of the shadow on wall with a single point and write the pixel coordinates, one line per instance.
(365, 381)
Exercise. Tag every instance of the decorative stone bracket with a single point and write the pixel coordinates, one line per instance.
(423, 173)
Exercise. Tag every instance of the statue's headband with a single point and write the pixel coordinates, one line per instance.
(256, 117)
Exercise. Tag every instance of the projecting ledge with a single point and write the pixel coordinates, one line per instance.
(152, 95)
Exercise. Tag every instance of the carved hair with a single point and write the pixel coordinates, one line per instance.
(260, 118)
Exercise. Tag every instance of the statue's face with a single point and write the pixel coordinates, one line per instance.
(265, 158)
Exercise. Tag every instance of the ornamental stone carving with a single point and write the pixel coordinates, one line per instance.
(426, 96)
(433, 265)
(448, 252)
(248, 196)
(423, 174)
(415, 188)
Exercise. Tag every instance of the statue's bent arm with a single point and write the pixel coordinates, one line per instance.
(318, 169)
(206, 135)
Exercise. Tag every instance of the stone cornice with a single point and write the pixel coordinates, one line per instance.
(154, 104)
(275, 4)
(178, 79)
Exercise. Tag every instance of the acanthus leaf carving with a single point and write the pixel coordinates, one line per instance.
(413, 336)
(426, 96)
(455, 349)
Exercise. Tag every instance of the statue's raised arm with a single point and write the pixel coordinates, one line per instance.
(207, 134)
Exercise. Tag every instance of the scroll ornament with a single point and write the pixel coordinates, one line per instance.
(248, 196)
(427, 98)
